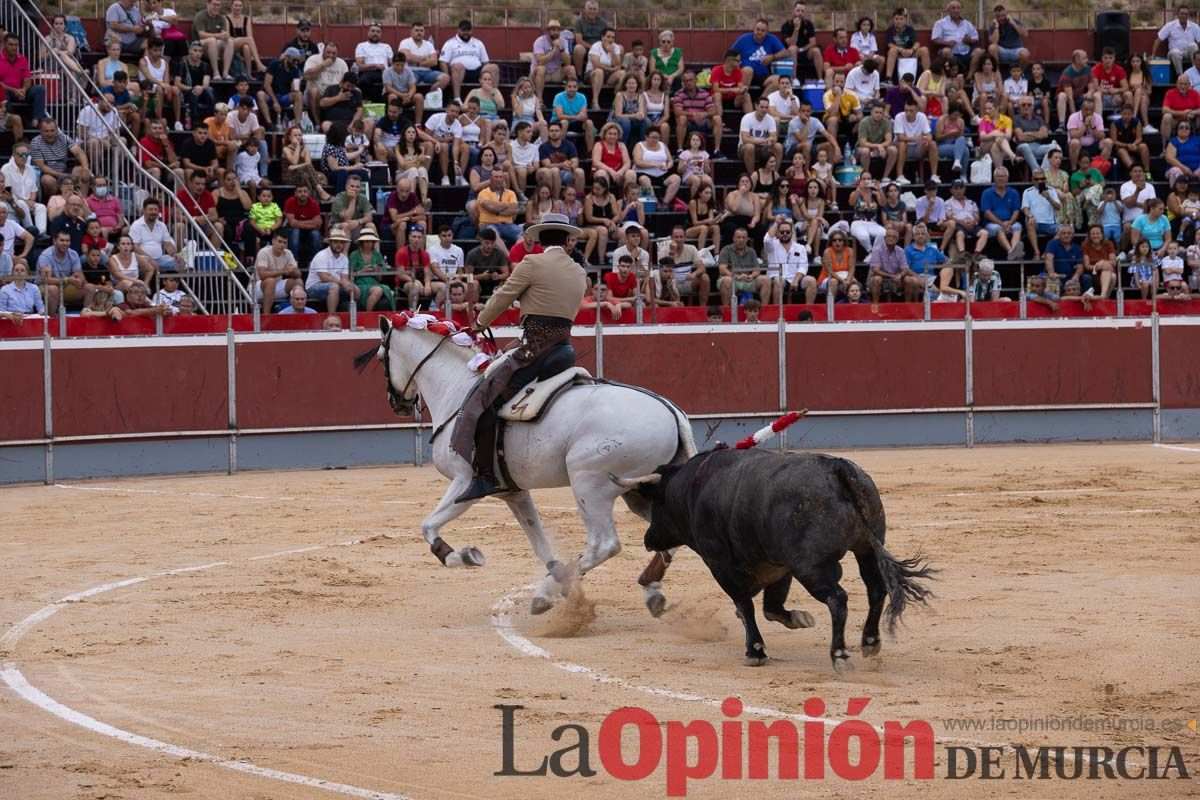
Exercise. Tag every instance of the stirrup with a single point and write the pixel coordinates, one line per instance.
(480, 486)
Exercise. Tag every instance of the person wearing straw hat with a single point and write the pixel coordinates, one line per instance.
(550, 286)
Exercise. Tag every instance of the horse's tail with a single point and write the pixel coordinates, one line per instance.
(365, 357)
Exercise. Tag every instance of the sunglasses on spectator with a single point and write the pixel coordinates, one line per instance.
(21, 153)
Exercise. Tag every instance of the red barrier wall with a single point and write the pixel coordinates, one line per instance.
(1179, 366)
(22, 396)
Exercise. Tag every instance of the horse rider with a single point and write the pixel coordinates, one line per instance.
(550, 286)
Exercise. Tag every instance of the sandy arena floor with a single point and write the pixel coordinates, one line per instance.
(1069, 588)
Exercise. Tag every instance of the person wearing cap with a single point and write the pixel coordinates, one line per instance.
(552, 57)
(371, 58)
(464, 58)
(281, 88)
(322, 71)
(422, 55)
(367, 265)
(303, 41)
(329, 273)
(550, 287)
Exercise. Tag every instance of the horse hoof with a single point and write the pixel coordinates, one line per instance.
(472, 557)
(656, 603)
(755, 661)
(540, 605)
(870, 646)
(791, 619)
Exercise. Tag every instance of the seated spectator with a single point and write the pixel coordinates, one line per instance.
(1099, 257)
(323, 72)
(137, 303)
(125, 267)
(95, 241)
(896, 96)
(58, 202)
(367, 265)
(199, 155)
(1109, 85)
(337, 163)
(487, 264)
(152, 242)
(123, 20)
(988, 85)
(604, 65)
(1126, 135)
(1087, 134)
(244, 126)
(1006, 37)
(276, 272)
(889, 271)
(298, 302)
(901, 41)
(863, 82)
(1038, 293)
(559, 161)
(50, 152)
(588, 29)
(280, 94)
(1143, 269)
(757, 50)
(956, 38)
(690, 277)
(211, 28)
(839, 57)
(264, 220)
(193, 79)
(1181, 36)
(705, 217)
(1172, 273)
(963, 212)
(20, 179)
(1031, 134)
(759, 137)
(372, 57)
(661, 288)
(11, 123)
(837, 264)
(19, 297)
(351, 210)
(633, 248)
(1040, 204)
(242, 41)
(304, 223)
(667, 60)
(622, 283)
(695, 112)
(1064, 258)
(498, 210)
(1182, 153)
(552, 57)
(1016, 86)
(73, 220)
(198, 203)
(443, 133)
(951, 139)
(422, 58)
(928, 263)
(803, 133)
(570, 107)
(1153, 226)
(250, 163)
(107, 68)
(786, 258)
(329, 273)
(155, 78)
(404, 210)
(841, 107)
(341, 104)
(635, 62)
(739, 270)
(303, 40)
(784, 106)
(526, 245)
(170, 295)
(654, 166)
(731, 83)
(629, 112)
(1073, 85)
(298, 166)
(863, 40)
(60, 270)
(986, 284)
(914, 141)
(1135, 194)
(102, 306)
(62, 46)
(465, 58)
(400, 87)
(800, 37)
(1001, 207)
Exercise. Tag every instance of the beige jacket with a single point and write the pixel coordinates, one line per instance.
(548, 284)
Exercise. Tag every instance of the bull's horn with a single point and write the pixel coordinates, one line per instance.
(633, 483)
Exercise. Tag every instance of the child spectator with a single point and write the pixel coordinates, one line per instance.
(248, 165)
(265, 217)
(1172, 273)
(93, 239)
(169, 294)
(1143, 270)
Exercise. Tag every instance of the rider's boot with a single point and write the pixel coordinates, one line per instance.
(484, 483)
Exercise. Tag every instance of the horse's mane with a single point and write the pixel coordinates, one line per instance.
(469, 346)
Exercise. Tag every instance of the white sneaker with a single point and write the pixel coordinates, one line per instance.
(935, 178)
(461, 181)
(1149, 129)
(445, 180)
(957, 166)
(179, 127)
(902, 181)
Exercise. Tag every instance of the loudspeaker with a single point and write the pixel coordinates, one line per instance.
(1112, 30)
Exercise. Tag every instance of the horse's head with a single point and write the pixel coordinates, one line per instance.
(401, 390)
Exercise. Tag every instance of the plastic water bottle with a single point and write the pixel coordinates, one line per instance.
(306, 124)
(848, 156)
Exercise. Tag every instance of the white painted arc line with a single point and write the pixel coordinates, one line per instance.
(16, 681)
(1178, 447)
(1030, 491)
(503, 625)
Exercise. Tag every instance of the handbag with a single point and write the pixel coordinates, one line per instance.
(981, 170)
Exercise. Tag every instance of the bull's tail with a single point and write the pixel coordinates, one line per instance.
(900, 576)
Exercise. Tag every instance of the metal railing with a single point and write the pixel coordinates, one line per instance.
(207, 278)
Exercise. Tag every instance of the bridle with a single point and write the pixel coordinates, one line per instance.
(400, 401)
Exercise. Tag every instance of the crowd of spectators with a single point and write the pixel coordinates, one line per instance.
(288, 169)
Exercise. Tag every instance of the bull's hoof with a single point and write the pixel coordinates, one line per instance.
(871, 645)
(657, 604)
(540, 605)
(841, 662)
(755, 661)
(791, 619)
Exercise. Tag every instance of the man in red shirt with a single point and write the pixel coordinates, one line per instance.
(623, 284)
(730, 83)
(198, 202)
(840, 57)
(526, 245)
(18, 80)
(157, 153)
(304, 223)
(1110, 84)
(416, 274)
(1182, 102)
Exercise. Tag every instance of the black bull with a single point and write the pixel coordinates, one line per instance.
(759, 519)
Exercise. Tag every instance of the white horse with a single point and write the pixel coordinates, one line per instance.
(590, 431)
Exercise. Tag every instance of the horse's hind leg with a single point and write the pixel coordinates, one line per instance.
(555, 582)
(868, 568)
(595, 495)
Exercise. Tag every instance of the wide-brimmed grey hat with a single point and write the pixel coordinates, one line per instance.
(554, 222)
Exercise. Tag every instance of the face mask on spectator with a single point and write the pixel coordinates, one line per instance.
(101, 191)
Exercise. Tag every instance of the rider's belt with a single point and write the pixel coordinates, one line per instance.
(541, 331)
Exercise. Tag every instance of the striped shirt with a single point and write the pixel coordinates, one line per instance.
(699, 101)
(54, 154)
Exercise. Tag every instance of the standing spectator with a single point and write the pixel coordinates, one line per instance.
(280, 94)
(551, 57)
(901, 42)
(211, 27)
(17, 81)
(304, 223)
(800, 37)
(1073, 85)
(695, 112)
(840, 57)
(1180, 104)
(1006, 37)
(372, 57)
(303, 40)
(1001, 207)
(965, 214)
(21, 178)
(1031, 134)
(50, 150)
(193, 79)
(588, 30)
(604, 65)
(1040, 203)
(957, 38)
(667, 60)
(329, 273)
(351, 210)
(1182, 37)
(276, 271)
(464, 58)
(124, 20)
(757, 50)
(914, 141)
(322, 72)
(422, 57)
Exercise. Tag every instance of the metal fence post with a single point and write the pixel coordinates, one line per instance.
(969, 341)
(1155, 377)
(781, 328)
(48, 401)
(231, 369)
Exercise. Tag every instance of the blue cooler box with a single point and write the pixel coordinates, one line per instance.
(814, 92)
(1160, 71)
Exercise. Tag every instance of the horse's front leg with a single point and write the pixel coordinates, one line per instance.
(557, 579)
(446, 511)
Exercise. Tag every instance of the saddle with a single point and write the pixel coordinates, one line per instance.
(534, 399)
